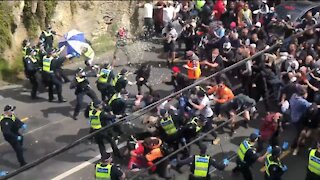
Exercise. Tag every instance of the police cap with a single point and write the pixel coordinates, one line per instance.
(9, 108)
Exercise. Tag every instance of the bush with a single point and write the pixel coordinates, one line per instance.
(6, 23)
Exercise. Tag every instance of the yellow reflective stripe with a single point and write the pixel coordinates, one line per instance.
(13, 117)
(47, 33)
(314, 162)
(115, 80)
(168, 125)
(103, 172)
(201, 166)
(95, 122)
(80, 79)
(268, 163)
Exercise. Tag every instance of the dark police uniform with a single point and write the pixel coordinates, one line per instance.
(200, 166)
(313, 171)
(30, 69)
(273, 168)
(9, 127)
(246, 157)
(99, 119)
(119, 82)
(47, 38)
(117, 104)
(49, 65)
(104, 81)
(82, 86)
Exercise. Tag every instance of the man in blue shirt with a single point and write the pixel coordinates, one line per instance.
(298, 106)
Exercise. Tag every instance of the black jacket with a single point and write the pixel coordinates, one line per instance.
(10, 128)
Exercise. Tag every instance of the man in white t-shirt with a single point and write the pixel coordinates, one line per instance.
(205, 111)
(147, 14)
(168, 13)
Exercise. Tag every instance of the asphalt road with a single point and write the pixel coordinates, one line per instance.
(51, 127)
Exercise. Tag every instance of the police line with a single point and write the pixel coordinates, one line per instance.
(146, 109)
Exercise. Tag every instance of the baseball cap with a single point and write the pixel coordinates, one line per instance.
(9, 108)
(97, 103)
(175, 69)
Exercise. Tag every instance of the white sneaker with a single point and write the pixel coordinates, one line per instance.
(295, 152)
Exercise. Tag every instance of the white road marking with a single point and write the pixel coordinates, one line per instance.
(83, 165)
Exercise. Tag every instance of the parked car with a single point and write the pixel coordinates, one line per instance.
(296, 9)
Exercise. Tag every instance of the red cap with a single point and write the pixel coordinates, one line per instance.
(175, 69)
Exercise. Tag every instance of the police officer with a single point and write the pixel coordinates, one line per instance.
(98, 119)
(193, 129)
(105, 78)
(169, 126)
(118, 103)
(274, 168)
(120, 81)
(25, 46)
(313, 172)
(200, 165)
(46, 38)
(10, 126)
(247, 156)
(82, 87)
(106, 170)
(49, 65)
(30, 69)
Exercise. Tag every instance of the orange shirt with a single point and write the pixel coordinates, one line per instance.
(223, 94)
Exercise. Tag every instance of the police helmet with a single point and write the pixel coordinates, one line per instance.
(123, 71)
(276, 151)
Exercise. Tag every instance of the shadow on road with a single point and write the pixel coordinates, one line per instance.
(63, 110)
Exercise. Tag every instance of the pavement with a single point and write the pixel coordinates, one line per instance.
(50, 127)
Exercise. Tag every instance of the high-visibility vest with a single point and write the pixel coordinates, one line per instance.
(154, 154)
(95, 122)
(201, 166)
(80, 79)
(168, 125)
(114, 97)
(115, 80)
(103, 172)
(46, 65)
(269, 162)
(200, 4)
(24, 50)
(47, 34)
(34, 60)
(243, 148)
(102, 78)
(194, 121)
(314, 162)
(13, 118)
(89, 53)
(195, 71)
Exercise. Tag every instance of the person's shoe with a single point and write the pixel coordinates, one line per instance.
(34, 97)
(74, 117)
(216, 141)
(62, 101)
(246, 124)
(23, 164)
(295, 152)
